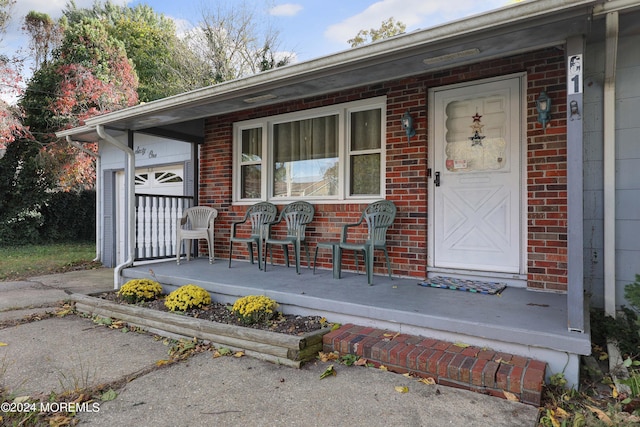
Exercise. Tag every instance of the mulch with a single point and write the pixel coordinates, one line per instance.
(216, 312)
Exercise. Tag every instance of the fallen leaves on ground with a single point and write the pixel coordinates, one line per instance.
(601, 415)
(108, 395)
(64, 310)
(222, 351)
(510, 396)
(327, 357)
(361, 362)
(330, 371)
(401, 389)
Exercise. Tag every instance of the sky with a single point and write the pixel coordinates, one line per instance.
(307, 28)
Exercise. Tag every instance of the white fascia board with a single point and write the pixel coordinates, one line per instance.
(519, 12)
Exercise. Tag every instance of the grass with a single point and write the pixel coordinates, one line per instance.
(20, 262)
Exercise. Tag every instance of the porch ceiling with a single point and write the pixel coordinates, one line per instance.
(507, 31)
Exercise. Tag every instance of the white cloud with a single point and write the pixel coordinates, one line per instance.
(285, 9)
(413, 13)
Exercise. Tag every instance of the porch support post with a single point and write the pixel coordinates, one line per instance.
(609, 164)
(575, 211)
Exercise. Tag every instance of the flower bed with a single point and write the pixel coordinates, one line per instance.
(285, 349)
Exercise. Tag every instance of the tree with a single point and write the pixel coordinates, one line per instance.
(388, 28)
(10, 86)
(89, 75)
(162, 61)
(45, 36)
(5, 14)
(234, 44)
(165, 64)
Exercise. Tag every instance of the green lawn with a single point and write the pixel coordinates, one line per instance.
(33, 260)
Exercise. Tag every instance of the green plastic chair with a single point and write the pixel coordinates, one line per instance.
(258, 216)
(379, 216)
(296, 215)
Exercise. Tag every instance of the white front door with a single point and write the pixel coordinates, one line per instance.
(476, 182)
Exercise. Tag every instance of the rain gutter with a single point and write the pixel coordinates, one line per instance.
(131, 201)
(352, 58)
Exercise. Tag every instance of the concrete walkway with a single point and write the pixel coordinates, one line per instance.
(67, 353)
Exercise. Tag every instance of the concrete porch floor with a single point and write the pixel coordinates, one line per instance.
(522, 322)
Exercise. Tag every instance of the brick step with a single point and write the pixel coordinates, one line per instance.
(467, 367)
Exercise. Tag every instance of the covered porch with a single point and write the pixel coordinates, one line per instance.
(518, 321)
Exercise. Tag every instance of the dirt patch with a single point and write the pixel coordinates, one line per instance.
(216, 312)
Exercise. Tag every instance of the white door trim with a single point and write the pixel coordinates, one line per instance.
(520, 278)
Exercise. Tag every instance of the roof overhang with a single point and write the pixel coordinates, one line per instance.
(514, 29)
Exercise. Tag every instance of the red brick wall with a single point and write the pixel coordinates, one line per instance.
(406, 173)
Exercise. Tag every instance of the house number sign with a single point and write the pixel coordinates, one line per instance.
(574, 83)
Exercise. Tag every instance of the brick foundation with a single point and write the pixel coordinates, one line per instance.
(470, 368)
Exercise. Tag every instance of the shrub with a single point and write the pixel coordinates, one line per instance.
(137, 290)
(255, 309)
(186, 297)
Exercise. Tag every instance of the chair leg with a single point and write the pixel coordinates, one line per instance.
(315, 257)
(188, 250)
(369, 265)
(178, 249)
(250, 250)
(386, 255)
(306, 248)
(355, 255)
(297, 250)
(267, 249)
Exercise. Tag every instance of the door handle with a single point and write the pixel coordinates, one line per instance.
(436, 180)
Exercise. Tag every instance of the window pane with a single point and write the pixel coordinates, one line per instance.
(365, 174)
(365, 130)
(251, 182)
(306, 157)
(252, 145)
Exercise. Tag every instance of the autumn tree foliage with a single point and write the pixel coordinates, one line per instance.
(164, 63)
(388, 28)
(10, 116)
(89, 75)
(10, 86)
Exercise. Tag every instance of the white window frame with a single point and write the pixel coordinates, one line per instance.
(343, 111)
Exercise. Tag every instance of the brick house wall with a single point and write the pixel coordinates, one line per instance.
(406, 173)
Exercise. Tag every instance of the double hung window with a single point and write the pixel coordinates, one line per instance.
(331, 153)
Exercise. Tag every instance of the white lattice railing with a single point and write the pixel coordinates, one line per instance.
(156, 218)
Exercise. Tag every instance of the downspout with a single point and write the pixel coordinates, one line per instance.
(99, 224)
(131, 201)
(609, 163)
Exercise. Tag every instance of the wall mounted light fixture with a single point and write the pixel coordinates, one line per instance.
(407, 125)
(543, 105)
